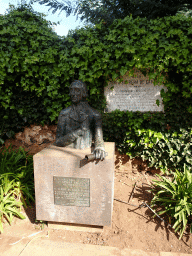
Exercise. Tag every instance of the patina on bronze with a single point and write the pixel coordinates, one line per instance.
(88, 158)
(71, 191)
(79, 124)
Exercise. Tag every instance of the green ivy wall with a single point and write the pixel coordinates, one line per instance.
(37, 67)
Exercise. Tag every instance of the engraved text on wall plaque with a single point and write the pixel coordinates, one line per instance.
(134, 94)
(71, 191)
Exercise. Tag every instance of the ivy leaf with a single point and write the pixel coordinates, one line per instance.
(157, 102)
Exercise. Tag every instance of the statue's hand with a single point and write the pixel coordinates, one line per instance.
(99, 153)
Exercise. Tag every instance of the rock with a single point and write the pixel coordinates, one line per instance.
(36, 134)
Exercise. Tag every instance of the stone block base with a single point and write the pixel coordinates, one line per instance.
(66, 192)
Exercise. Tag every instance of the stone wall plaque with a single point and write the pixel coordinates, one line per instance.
(71, 191)
(139, 94)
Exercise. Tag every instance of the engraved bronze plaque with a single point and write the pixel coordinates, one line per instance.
(70, 191)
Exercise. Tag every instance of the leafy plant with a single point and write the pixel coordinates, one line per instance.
(16, 183)
(94, 11)
(18, 165)
(9, 206)
(174, 197)
(165, 150)
(146, 135)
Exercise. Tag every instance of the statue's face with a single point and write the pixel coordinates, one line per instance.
(76, 94)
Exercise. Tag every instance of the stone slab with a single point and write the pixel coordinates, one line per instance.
(47, 247)
(44, 247)
(136, 93)
(65, 162)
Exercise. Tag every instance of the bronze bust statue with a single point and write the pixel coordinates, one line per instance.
(79, 124)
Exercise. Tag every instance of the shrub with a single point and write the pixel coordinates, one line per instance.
(166, 150)
(174, 197)
(16, 183)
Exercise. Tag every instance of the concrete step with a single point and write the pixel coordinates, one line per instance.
(42, 247)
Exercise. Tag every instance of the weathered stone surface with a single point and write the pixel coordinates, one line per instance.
(65, 162)
(134, 94)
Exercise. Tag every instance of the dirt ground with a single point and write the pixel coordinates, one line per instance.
(132, 226)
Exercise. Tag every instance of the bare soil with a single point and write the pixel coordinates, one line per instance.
(132, 226)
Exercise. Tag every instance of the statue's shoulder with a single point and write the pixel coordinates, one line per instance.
(93, 112)
(65, 111)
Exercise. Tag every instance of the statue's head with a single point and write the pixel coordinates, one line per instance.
(77, 91)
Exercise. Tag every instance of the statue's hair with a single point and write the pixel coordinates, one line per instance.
(81, 85)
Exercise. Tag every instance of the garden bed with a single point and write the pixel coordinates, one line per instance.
(132, 226)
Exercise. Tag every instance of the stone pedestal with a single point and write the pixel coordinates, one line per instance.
(66, 192)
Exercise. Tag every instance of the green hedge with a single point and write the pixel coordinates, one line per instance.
(37, 67)
(148, 136)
